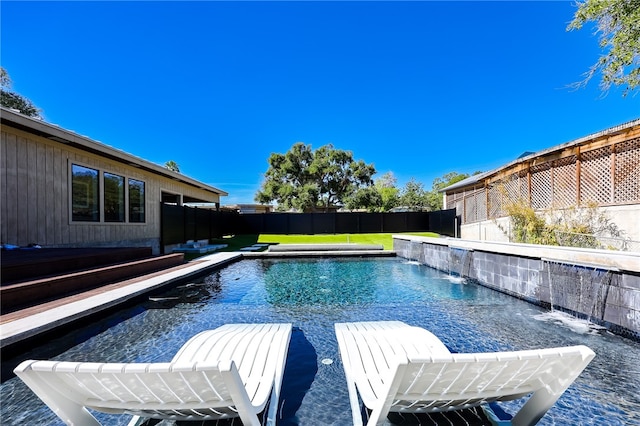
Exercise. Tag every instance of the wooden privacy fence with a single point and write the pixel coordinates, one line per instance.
(181, 223)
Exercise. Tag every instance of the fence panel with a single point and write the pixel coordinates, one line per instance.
(443, 222)
(370, 223)
(190, 224)
(247, 224)
(202, 224)
(299, 224)
(417, 222)
(276, 223)
(347, 223)
(393, 222)
(471, 207)
(324, 223)
(180, 223)
(222, 221)
(602, 172)
(172, 224)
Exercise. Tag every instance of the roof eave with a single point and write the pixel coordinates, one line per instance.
(67, 137)
(607, 132)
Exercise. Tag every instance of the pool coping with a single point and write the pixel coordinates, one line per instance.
(16, 327)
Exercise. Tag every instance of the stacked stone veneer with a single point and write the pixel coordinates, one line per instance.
(600, 285)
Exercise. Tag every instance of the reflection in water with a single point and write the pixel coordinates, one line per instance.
(318, 283)
(204, 291)
(314, 295)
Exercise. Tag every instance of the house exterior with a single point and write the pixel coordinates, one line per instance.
(602, 170)
(61, 189)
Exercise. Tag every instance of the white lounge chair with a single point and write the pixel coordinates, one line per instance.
(394, 367)
(231, 371)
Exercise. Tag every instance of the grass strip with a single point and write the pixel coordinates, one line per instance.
(236, 242)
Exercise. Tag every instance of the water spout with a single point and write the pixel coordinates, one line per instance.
(550, 288)
(604, 279)
(579, 288)
(460, 261)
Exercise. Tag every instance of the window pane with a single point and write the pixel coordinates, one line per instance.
(113, 198)
(85, 206)
(136, 201)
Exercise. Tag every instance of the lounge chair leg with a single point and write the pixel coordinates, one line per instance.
(536, 407)
(396, 373)
(143, 421)
(70, 412)
(240, 398)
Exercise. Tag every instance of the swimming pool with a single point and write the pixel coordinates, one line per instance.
(314, 294)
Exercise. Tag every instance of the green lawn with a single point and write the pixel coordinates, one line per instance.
(236, 242)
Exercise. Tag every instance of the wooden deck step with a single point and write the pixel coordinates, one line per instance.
(29, 293)
(28, 264)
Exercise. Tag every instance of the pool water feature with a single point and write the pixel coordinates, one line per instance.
(314, 294)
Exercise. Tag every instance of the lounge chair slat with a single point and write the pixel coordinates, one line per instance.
(427, 378)
(197, 385)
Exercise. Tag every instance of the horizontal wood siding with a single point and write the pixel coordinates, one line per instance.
(35, 200)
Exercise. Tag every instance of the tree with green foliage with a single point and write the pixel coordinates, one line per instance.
(364, 198)
(389, 193)
(434, 197)
(381, 197)
(172, 165)
(618, 25)
(413, 196)
(10, 99)
(308, 180)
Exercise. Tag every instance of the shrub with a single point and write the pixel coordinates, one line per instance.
(527, 226)
(576, 226)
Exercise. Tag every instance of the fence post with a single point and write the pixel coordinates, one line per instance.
(162, 223)
(455, 226)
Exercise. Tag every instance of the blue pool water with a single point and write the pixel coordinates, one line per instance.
(315, 294)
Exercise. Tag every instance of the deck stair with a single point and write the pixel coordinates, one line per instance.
(48, 274)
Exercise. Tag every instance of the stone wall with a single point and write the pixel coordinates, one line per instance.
(598, 285)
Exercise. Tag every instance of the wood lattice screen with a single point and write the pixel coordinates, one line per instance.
(564, 182)
(475, 205)
(606, 175)
(494, 200)
(541, 186)
(595, 178)
(523, 178)
(627, 171)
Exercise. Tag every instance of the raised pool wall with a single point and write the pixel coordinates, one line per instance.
(600, 285)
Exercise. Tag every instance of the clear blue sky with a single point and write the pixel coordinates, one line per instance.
(417, 88)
